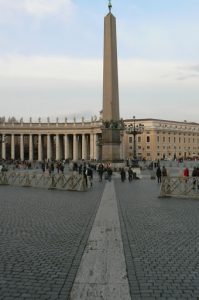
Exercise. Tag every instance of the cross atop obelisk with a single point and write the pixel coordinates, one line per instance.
(109, 6)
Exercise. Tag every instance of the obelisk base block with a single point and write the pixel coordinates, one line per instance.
(111, 145)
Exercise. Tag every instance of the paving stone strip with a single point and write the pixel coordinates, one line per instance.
(102, 272)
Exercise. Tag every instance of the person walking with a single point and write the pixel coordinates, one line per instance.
(90, 175)
(194, 174)
(164, 171)
(110, 172)
(159, 174)
(186, 172)
(85, 174)
(130, 174)
(123, 175)
(100, 170)
(43, 167)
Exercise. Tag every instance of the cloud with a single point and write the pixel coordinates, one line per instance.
(48, 7)
(12, 9)
(134, 71)
(50, 67)
(56, 85)
(187, 72)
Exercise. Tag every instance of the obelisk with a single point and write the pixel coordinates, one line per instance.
(111, 117)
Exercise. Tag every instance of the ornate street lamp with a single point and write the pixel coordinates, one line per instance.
(134, 130)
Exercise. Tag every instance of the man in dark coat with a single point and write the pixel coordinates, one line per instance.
(159, 174)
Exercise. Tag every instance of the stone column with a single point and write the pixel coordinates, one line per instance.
(83, 146)
(57, 147)
(49, 147)
(66, 147)
(21, 148)
(31, 147)
(95, 146)
(40, 154)
(88, 154)
(3, 147)
(74, 147)
(91, 146)
(13, 146)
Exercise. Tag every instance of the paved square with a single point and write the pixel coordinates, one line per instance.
(42, 239)
(161, 242)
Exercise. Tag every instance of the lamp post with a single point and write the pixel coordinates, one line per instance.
(134, 130)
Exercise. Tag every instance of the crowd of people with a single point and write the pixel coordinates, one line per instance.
(86, 169)
(161, 173)
(130, 173)
(186, 172)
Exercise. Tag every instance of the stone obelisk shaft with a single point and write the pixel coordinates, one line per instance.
(110, 75)
(111, 117)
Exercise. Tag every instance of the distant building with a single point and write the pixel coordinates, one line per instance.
(161, 139)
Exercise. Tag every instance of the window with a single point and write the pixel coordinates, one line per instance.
(148, 139)
(130, 139)
(139, 139)
(148, 147)
(158, 138)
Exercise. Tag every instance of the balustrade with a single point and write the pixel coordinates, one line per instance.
(187, 187)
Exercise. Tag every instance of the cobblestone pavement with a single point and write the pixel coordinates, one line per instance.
(42, 238)
(161, 242)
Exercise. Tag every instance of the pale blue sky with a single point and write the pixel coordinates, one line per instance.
(51, 57)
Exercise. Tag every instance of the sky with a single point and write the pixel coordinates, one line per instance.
(51, 58)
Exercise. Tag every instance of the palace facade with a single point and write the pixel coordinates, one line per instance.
(83, 140)
(163, 139)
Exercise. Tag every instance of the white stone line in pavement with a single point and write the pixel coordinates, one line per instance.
(102, 272)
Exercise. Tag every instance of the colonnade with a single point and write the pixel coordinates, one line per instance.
(50, 146)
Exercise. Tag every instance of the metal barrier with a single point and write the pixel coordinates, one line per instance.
(183, 187)
(74, 182)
